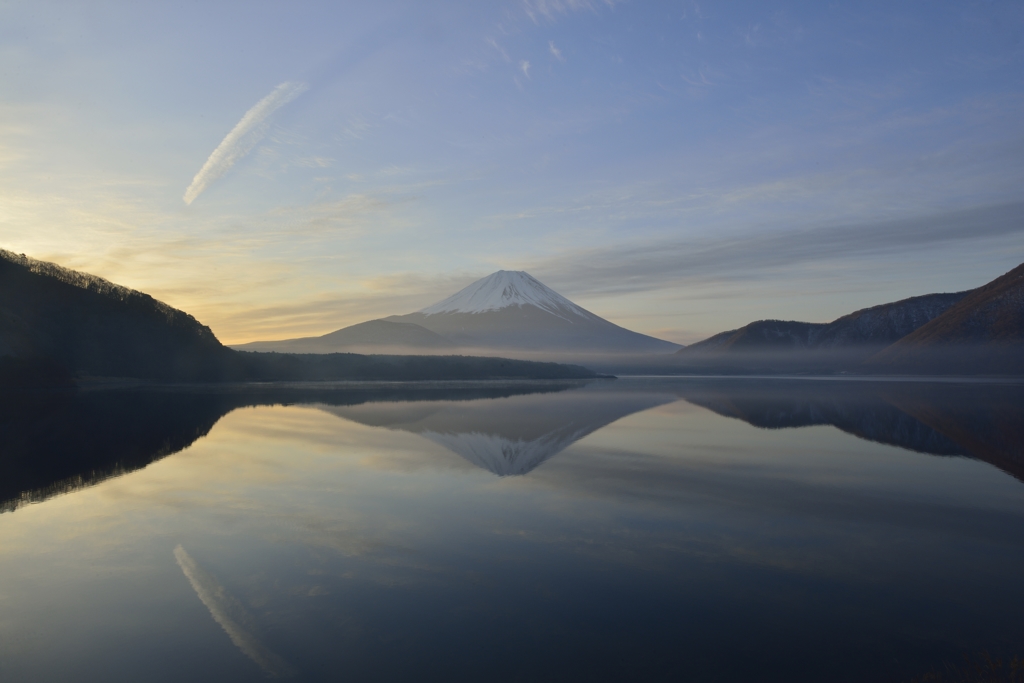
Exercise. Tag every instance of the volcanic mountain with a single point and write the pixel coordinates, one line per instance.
(512, 310)
(507, 313)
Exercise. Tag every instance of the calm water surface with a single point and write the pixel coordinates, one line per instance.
(637, 529)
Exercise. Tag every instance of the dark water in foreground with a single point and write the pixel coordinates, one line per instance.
(638, 529)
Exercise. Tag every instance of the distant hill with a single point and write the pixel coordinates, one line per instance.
(980, 331)
(787, 346)
(882, 325)
(511, 311)
(983, 332)
(758, 335)
(58, 324)
(867, 330)
(373, 335)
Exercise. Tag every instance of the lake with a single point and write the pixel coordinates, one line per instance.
(731, 529)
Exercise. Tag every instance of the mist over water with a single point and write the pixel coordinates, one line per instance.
(653, 528)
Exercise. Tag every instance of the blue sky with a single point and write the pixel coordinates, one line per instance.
(679, 168)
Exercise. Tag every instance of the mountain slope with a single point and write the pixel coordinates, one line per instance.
(861, 332)
(759, 335)
(373, 334)
(984, 331)
(511, 311)
(882, 325)
(90, 326)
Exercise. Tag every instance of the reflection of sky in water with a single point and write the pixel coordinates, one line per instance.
(671, 539)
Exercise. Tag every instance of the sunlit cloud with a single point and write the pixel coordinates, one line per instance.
(525, 67)
(555, 51)
(242, 138)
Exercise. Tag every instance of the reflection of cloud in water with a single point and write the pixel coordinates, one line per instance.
(231, 616)
(507, 436)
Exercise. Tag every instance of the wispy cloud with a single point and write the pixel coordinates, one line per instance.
(231, 616)
(242, 138)
(555, 51)
(504, 55)
(550, 9)
(698, 79)
(525, 67)
(656, 265)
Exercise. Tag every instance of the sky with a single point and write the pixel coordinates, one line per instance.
(679, 168)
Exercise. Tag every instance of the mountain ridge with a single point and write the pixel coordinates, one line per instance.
(874, 327)
(977, 331)
(983, 332)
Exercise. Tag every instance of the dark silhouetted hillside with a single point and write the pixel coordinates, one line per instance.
(89, 326)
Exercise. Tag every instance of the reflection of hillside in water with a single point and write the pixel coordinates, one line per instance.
(56, 442)
(975, 420)
(508, 436)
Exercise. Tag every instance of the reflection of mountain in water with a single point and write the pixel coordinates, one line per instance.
(55, 442)
(60, 441)
(981, 421)
(507, 436)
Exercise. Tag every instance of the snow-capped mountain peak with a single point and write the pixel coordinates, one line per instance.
(503, 289)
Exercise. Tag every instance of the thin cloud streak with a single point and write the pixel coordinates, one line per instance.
(231, 616)
(242, 138)
(654, 266)
(550, 9)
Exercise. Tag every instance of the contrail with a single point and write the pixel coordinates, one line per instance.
(242, 138)
(231, 616)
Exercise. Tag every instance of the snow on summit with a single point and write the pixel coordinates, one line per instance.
(503, 289)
